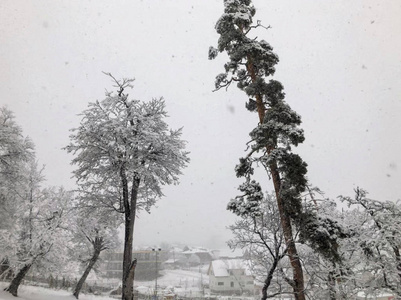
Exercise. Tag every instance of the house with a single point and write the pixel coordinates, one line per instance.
(148, 265)
(378, 296)
(229, 277)
(228, 253)
(197, 256)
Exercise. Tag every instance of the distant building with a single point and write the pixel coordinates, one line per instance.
(198, 256)
(146, 264)
(230, 277)
(229, 254)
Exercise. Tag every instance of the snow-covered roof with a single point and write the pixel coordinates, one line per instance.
(196, 250)
(222, 268)
(380, 295)
(176, 249)
(228, 253)
(170, 261)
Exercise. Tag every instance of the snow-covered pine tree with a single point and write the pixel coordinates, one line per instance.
(124, 153)
(250, 63)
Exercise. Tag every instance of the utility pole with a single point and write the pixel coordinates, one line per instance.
(156, 250)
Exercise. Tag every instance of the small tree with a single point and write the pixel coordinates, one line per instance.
(328, 278)
(375, 242)
(125, 152)
(260, 234)
(15, 152)
(30, 216)
(95, 230)
(37, 232)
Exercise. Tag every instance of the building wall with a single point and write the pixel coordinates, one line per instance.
(145, 268)
(235, 283)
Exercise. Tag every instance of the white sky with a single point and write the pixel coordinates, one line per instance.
(340, 63)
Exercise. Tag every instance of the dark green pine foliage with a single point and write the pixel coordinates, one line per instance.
(248, 204)
(250, 63)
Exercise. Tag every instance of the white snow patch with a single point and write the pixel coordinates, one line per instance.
(39, 293)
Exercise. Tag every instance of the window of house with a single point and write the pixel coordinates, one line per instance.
(220, 283)
(232, 283)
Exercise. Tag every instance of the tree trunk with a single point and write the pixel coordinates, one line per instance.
(127, 289)
(15, 283)
(92, 262)
(331, 281)
(298, 276)
(269, 278)
(295, 262)
(5, 270)
(130, 212)
(396, 251)
(131, 275)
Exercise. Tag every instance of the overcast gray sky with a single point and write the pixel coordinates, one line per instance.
(340, 64)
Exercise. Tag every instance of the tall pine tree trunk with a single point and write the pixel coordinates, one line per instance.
(130, 212)
(97, 248)
(285, 219)
(15, 283)
(295, 262)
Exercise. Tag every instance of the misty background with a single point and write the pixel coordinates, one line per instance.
(340, 64)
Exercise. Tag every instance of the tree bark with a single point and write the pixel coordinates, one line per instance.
(298, 276)
(127, 288)
(269, 278)
(130, 212)
(295, 262)
(4, 269)
(15, 283)
(131, 275)
(92, 262)
(331, 281)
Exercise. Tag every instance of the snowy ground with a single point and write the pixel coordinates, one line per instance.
(178, 277)
(182, 282)
(40, 293)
